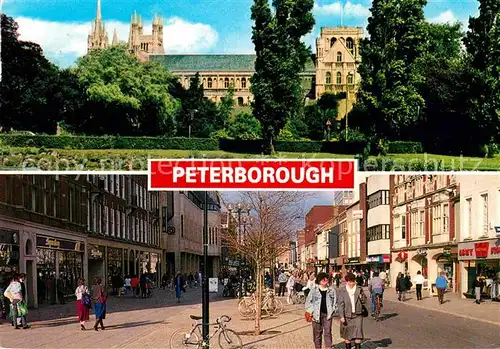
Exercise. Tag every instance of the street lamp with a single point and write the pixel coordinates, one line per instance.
(191, 117)
(240, 209)
(328, 126)
(205, 297)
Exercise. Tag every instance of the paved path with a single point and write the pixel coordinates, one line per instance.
(149, 323)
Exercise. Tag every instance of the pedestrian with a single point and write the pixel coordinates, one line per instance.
(128, 285)
(321, 305)
(22, 278)
(441, 285)
(179, 287)
(282, 279)
(351, 309)
(478, 286)
(82, 303)
(134, 284)
(18, 308)
(290, 286)
(376, 286)
(359, 279)
(99, 298)
(401, 287)
(419, 282)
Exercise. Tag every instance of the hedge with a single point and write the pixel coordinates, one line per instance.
(404, 147)
(109, 142)
(200, 144)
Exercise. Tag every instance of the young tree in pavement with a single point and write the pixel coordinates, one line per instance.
(483, 47)
(281, 56)
(388, 88)
(30, 88)
(275, 216)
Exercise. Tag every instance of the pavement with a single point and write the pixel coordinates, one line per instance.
(149, 323)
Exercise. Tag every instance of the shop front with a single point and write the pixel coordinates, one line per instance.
(97, 265)
(353, 264)
(59, 265)
(379, 262)
(9, 255)
(480, 258)
(323, 266)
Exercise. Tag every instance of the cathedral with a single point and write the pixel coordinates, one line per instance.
(141, 45)
(332, 69)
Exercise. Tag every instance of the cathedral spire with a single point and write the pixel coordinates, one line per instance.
(98, 15)
(115, 38)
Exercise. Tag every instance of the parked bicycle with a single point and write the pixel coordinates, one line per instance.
(270, 304)
(227, 338)
(298, 298)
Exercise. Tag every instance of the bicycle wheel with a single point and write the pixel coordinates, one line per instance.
(179, 340)
(228, 339)
(246, 307)
(277, 306)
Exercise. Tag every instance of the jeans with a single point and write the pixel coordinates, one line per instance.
(281, 290)
(374, 294)
(323, 328)
(419, 291)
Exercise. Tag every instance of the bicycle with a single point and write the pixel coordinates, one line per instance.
(270, 305)
(194, 337)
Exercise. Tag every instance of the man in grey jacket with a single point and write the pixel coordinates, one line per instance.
(321, 304)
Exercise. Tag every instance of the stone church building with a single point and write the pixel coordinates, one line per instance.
(332, 69)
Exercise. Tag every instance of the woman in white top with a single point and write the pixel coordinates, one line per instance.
(290, 285)
(82, 309)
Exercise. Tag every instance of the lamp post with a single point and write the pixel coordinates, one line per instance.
(205, 297)
(191, 117)
(328, 126)
(239, 209)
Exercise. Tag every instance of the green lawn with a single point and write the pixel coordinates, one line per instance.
(122, 159)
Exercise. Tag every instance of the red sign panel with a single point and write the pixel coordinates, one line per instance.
(386, 259)
(481, 249)
(252, 174)
(495, 250)
(466, 252)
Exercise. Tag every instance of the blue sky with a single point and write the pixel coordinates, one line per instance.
(191, 26)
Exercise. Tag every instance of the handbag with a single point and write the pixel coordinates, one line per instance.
(308, 317)
(364, 310)
(86, 301)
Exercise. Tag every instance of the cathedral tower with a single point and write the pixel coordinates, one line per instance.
(98, 38)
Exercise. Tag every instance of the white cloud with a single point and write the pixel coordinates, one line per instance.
(62, 39)
(444, 17)
(348, 9)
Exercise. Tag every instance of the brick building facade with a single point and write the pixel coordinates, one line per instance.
(57, 229)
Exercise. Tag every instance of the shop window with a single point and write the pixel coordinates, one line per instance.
(403, 227)
(70, 270)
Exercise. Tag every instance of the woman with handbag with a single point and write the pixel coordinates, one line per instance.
(83, 302)
(321, 306)
(352, 309)
(99, 298)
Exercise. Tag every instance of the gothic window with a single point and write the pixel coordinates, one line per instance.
(339, 56)
(226, 83)
(350, 79)
(333, 41)
(232, 82)
(240, 101)
(204, 83)
(243, 83)
(209, 83)
(339, 78)
(350, 45)
(328, 79)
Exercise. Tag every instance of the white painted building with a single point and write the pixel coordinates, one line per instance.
(353, 236)
(378, 254)
(479, 238)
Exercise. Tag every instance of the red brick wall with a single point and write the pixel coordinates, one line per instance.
(316, 215)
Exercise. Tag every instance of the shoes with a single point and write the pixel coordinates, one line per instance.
(95, 328)
(82, 328)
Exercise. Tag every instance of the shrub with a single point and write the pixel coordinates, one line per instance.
(404, 147)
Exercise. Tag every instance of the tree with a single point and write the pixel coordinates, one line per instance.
(275, 216)
(388, 88)
(30, 98)
(281, 56)
(482, 42)
(125, 96)
(244, 126)
(198, 111)
(225, 106)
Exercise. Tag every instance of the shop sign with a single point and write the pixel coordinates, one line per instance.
(447, 251)
(479, 250)
(422, 251)
(96, 252)
(386, 258)
(10, 237)
(403, 255)
(59, 244)
(357, 215)
(354, 260)
(372, 259)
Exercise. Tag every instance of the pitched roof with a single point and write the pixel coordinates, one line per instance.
(214, 62)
